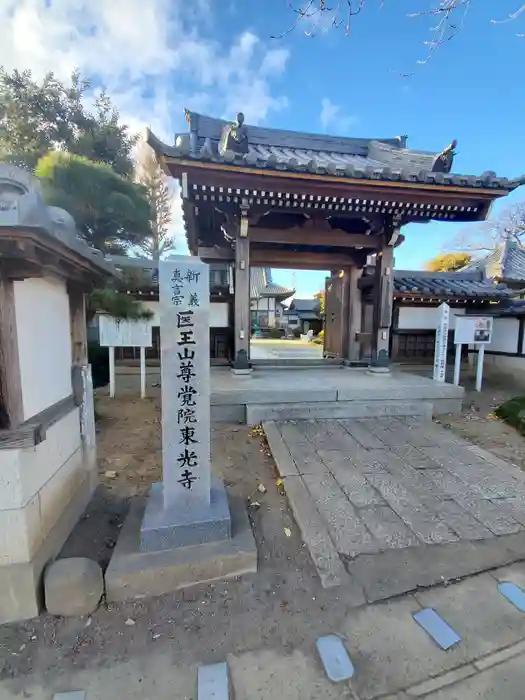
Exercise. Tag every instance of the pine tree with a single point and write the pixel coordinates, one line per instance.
(148, 173)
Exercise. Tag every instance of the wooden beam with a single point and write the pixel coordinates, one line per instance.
(223, 254)
(11, 402)
(285, 181)
(290, 259)
(300, 236)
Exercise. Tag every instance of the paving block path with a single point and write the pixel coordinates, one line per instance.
(401, 502)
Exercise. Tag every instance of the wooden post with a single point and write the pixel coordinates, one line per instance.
(242, 324)
(111, 352)
(354, 346)
(11, 400)
(77, 306)
(142, 373)
(383, 301)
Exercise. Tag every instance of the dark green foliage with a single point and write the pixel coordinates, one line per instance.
(117, 304)
(296, 332)
(111, 213)
(513, 413)
(36, 118)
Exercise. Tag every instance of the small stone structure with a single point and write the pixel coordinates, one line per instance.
(47, 434)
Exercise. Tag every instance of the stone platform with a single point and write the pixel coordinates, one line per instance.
(394, 504)
(286, 393)
(295, 390)
(134, 573)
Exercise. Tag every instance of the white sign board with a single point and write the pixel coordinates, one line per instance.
(440, 352)
(473, 330)
(120, 333)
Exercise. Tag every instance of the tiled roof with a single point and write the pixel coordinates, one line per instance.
(516, 307)
(506, 262)
(376, 159)
(261, 285)
(452, 285)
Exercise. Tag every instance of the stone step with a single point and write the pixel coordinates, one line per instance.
(256, 413)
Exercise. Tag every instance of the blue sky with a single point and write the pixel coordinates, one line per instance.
(217, 56)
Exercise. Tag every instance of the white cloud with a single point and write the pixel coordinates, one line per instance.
(154, 57)
(332, 117)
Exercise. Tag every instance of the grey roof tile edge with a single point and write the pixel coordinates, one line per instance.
(386, 172)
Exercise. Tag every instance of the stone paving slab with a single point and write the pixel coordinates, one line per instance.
(390, 491)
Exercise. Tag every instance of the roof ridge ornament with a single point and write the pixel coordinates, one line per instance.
(234, 137)
(443, 162)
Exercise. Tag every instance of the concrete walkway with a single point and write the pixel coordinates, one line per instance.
(393, 657)
(393, 504)
(267, 349)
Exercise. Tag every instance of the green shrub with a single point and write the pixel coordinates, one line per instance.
(275, 333)
(296, 332)
(98, 358)
(513, 413)
(321, 334)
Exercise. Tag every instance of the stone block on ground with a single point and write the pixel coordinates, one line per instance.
(73, 586)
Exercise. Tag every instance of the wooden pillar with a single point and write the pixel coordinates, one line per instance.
(11, 400)
(242, 320)
(354, 346)
(383, 299)
(345, 312)
(77, 310)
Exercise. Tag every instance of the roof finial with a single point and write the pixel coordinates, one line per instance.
(234, 136)
(443, 162)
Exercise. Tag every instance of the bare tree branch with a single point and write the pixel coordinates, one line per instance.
(487, 235)
(450, 16)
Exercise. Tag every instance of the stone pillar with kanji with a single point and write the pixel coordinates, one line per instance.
(190, 505)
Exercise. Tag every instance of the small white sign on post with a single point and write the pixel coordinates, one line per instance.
(440, 352)
(472, 330)
(123, 333)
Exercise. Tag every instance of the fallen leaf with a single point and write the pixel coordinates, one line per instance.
(279, 482)
(287, 532)
(110, 474)
(129, 622)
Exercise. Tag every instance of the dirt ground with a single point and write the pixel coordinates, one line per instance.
(283, 605)
(478, 423)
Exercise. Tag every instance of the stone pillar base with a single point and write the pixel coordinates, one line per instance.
(167, 528)
(378, 370)
(241, 372)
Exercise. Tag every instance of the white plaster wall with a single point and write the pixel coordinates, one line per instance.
(218, 313)
(36, 486)
(418, 318)
(44, 342)
(504, 335)
(24, 471)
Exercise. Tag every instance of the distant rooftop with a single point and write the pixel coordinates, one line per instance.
(470, 284)
(262, 285)
(506, 262)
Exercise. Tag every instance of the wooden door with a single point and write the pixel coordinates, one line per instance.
(333, 306)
